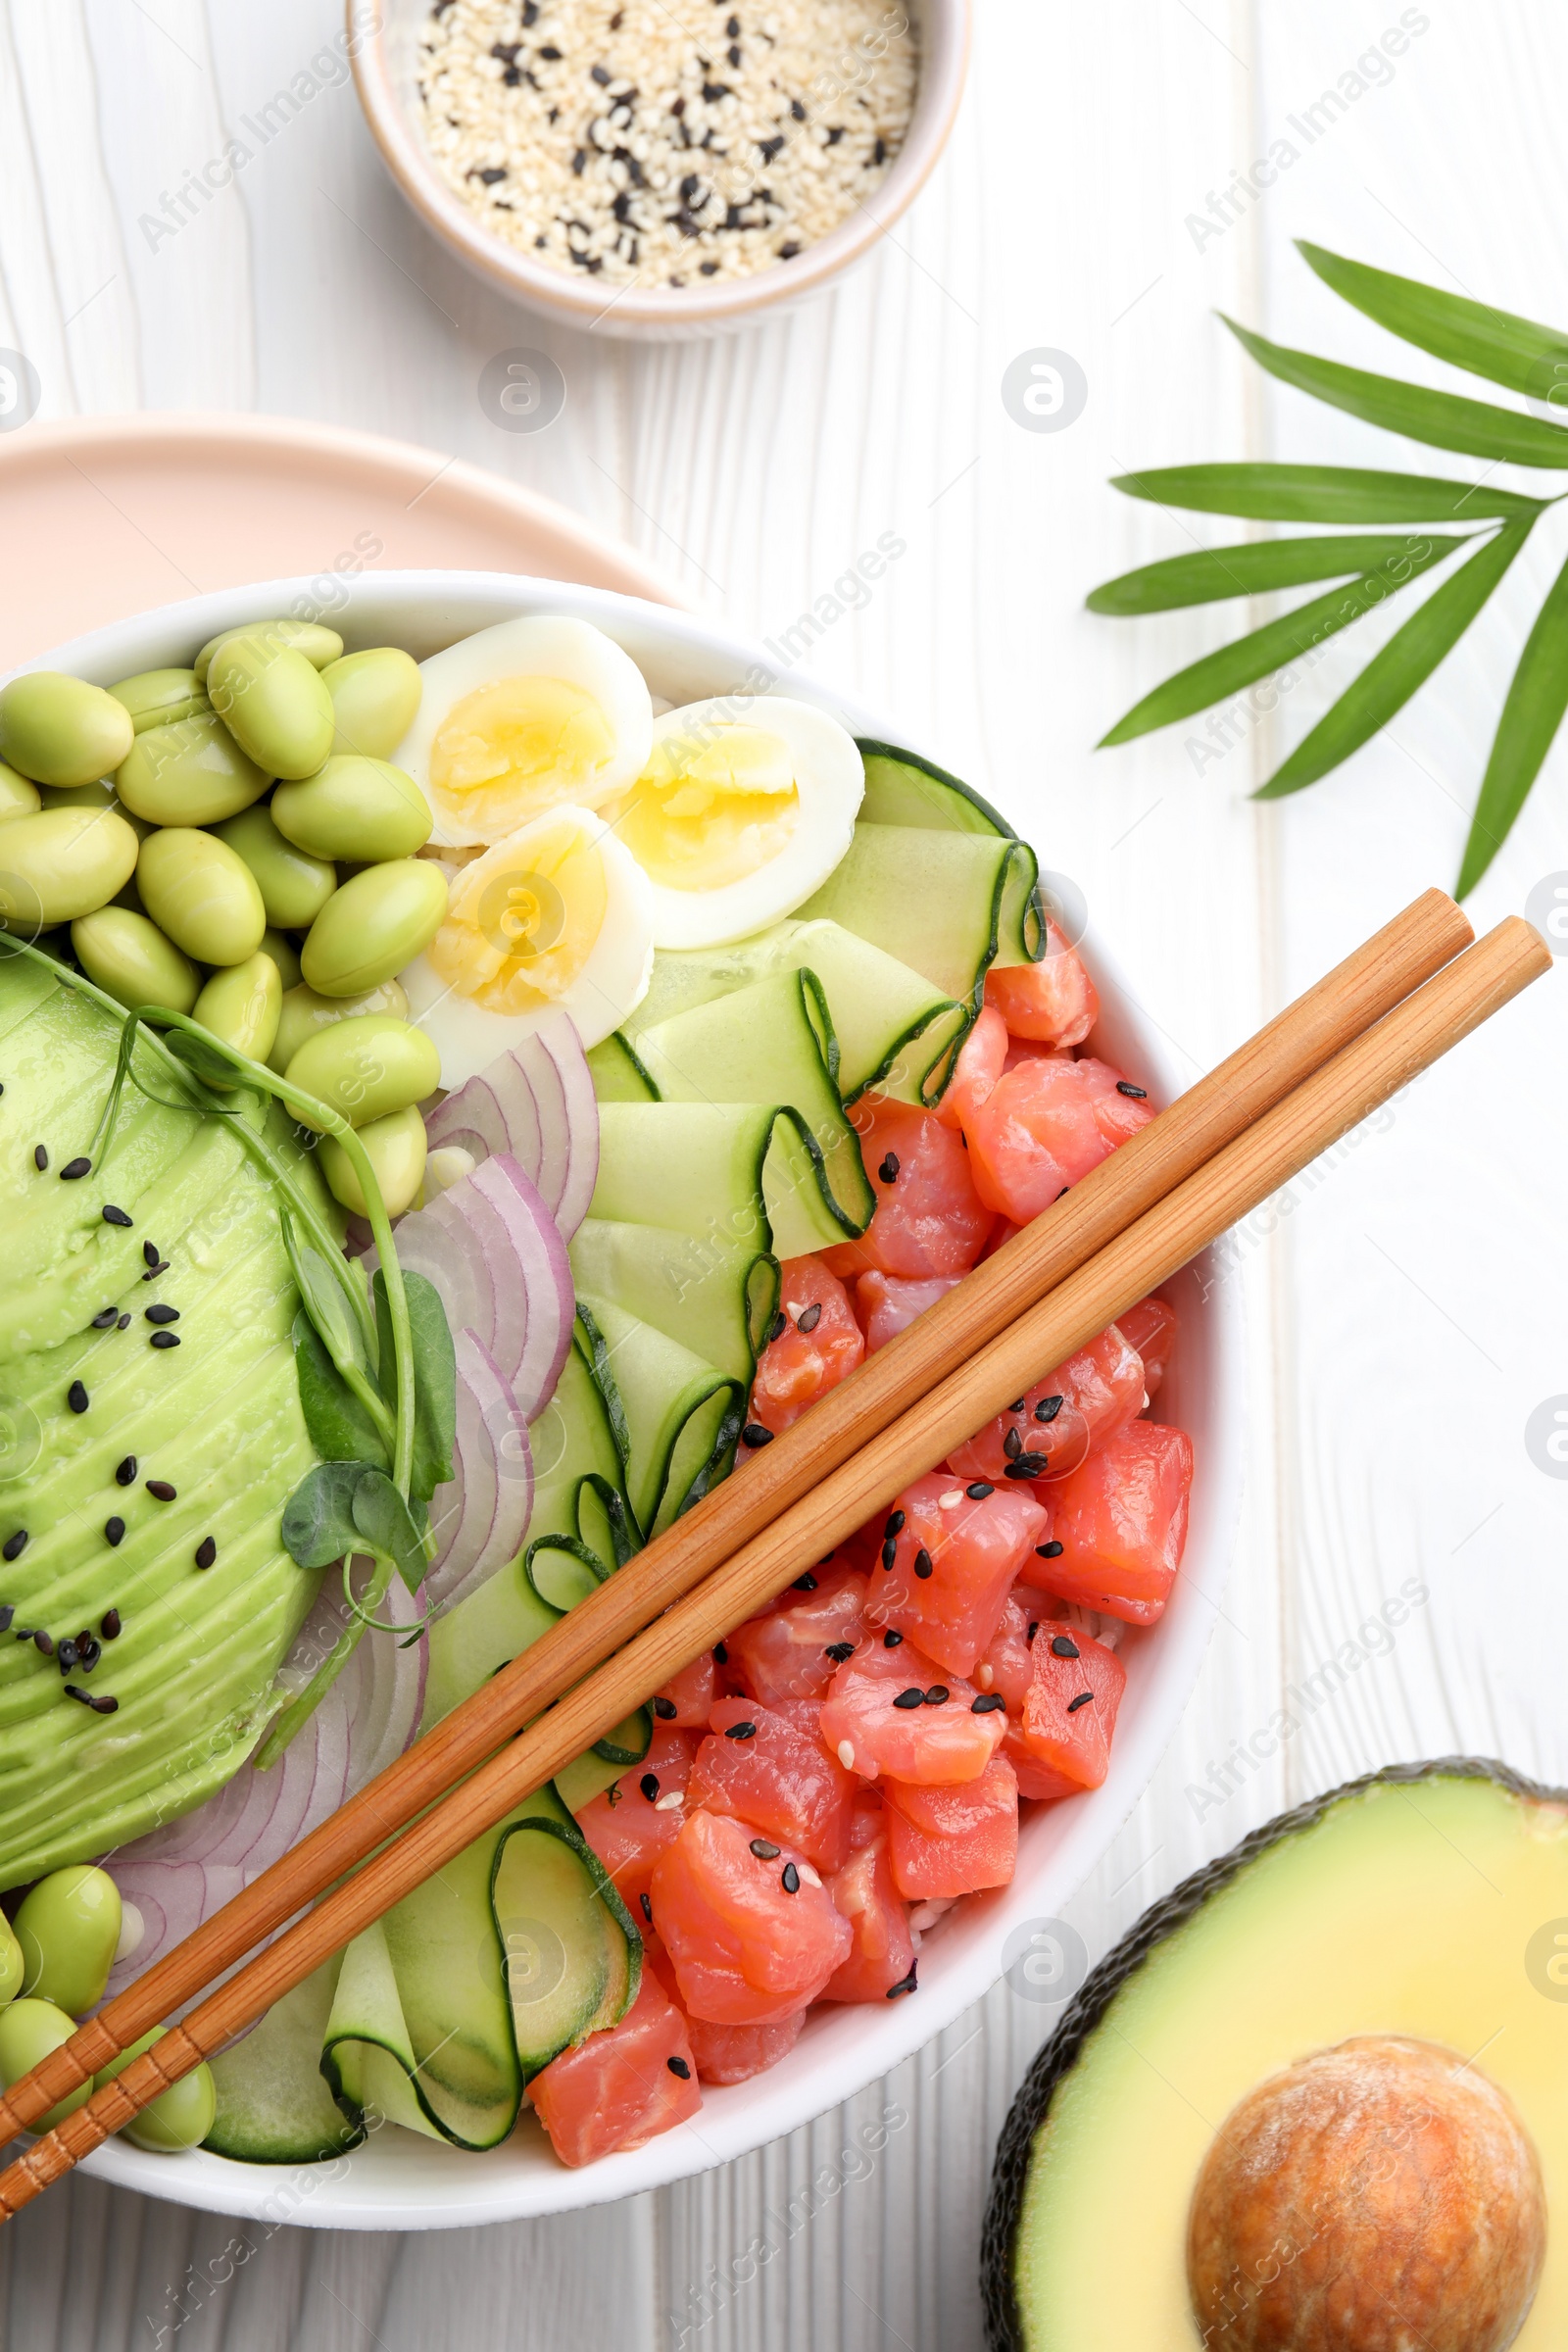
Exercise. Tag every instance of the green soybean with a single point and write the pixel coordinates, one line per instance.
(318, 644)
(62, 862)
(180, 2116)
(17, 797)
(29, 2030)
(304, 1012)
(294, 885)
(355, 807)
(241, 1005)
(397, 1146)
(59, 730)
(129, 959)
(284, 953)
(12, 1967)
(201, 894)
(366, 1066)
(372, 927)
(191, 772)
(274, 703)
(156, 697)
(375, 697)
(68, 1926)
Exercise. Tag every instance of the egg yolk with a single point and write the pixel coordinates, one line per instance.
(511, 750)
(522, 919)
(711, 807)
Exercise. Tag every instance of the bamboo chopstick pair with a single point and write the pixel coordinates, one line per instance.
(1351, 1042)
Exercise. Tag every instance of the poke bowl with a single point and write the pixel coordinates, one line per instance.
(398, 2176)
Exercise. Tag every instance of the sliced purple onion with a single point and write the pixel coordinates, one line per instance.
(481, 1518)
(535, 1103)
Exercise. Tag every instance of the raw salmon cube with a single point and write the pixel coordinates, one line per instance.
(975, 1072)
(781, 1781)
(888, 1303)
(1054, 1000)
(818, 1345)
(895, 1710)
(1009, 1663)
(735, 2053)
(929, 1218)
(948, 1558)
(951, 1842)
(1035, 1780)
(1057, 1423)
(1070, 1710)
(753, 1938)
(631, 1824)
(1044, 1126)
(1151, 1328)
(1122, 1522)
(883, 1952)
(688, 1695)
(787, 1651)
(622, 2086)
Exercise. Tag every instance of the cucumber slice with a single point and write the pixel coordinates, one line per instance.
(583, 1524)
(948, 904)
(273, 2106)
(497, 1623)
(573, 1955)
(903, 789)
(617, 1074)
(627, 1742)
(714, 1297)
(599, 1767)
(675, 1418)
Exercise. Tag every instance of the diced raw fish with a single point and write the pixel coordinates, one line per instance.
(929, 1218)
(1122, 1521)
(1151, 1328)
(687, 1696)
(888, 1303)
(883, 1951)
(950, 1566)
(735, 2053)
(941, 1739)
(783, 1652)
(761, 1770)
(1054, 1000)
(749, 1947)
(819, 1346)
(618, 2089)
(1044, 1126)
(1063, 1417)
(979, 1065)
(1070, 1711)
(952, 1842)
(627, 1826)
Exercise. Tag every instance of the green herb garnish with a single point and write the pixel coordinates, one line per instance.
(1526, 358)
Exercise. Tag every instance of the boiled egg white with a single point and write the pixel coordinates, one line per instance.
(520, 718)
(738, 815)
(558, 917)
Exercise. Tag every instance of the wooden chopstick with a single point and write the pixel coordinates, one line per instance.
(1347, 1001)
(1274, 1148)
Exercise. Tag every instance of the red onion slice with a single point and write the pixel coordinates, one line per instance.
(481, 1518)
(535, 1103)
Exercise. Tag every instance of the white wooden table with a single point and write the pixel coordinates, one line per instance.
(1406, 1314)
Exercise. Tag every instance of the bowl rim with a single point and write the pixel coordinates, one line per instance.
(425, 2185)
(946, 28)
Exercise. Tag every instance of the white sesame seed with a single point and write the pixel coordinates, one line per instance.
(846, 1754)
(984, 1676)
(809, 1875)
(951, 1500)
(672, 1802)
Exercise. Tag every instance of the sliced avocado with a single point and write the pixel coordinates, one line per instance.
(1428, 1901)
(217, 1419)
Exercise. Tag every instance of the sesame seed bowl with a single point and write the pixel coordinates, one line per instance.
(616, 169)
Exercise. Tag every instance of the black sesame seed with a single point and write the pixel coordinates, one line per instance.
(1028, 1465)
(74, 1168)
(44, 1643)
(665, 1710)
(895, 1525)
(720, 1655)
(987, 1703)
(889, 1170)
(648, 1909)
(797, 110)
(549, 49)
(206, 1552)
(788, 250)
(1013, 1445)
(88, 1652)
(778, 1327)
(1138, 1094)
(678, 2066)
(741, 1731)
(754, 1435)
(812, 1317)
(648, 1784)
(790, 1878)
(40, 1157)
(160, 1266)
(1017, 1404)
(76, 1398)
(7, 1612)
(1048, 1552)
(114, 1531)
(23, 1632)
(732, 30)
(123, 1323)
(890, 1552)
(162, 1314)
(879, 153)
(905, 1984)
(108, 1625)
(13, 1546)
(67, 1654)
(115, 1217)
(1085, 1698)
(712, 91)
(891, 1639)
(910, 1699)
(149, 1253)
(979, 1490)
(108, 1315)
(1049, 1407)
(1063, 1645)
(763, 1852)
(838, 1651)
(126, 1472)
(804, 1583)
(159, 1490)
(163, 1339)
(601, 75)
(924, 1565)
(101, 1703)
(938, 1696)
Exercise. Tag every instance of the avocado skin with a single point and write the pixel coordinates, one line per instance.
(1056, 2059)
(219, 1417)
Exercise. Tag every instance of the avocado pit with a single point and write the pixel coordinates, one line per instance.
(1379, 2196)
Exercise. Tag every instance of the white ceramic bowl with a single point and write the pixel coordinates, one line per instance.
(384, 42)
(400, 2182)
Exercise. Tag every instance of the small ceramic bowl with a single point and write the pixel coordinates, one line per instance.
(383, 43)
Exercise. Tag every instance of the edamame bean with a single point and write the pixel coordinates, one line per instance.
(17, 798)
(304, 1012)
(201, 894)
(180, 2116)
(284, 953)
(366, 1067)
(68, 1926)
(157, 697)
(294, 885)
(373, 926)
(397, 1147)
(29, 2030)
(242, 1005)
(129, 959)
(190, 773)
(318, 644)
(12, 1967)
(355, 807)
(60, 863)
(59, 730)
(274, 703)
(375, 697)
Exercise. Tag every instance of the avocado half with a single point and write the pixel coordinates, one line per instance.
(1426, 1899)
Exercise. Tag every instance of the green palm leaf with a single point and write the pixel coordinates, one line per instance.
(1497, 344)
(1402, 665)
(1322, 494)
(1253, 569)
(1444, 419)
(1531, 716)
(1269, 648)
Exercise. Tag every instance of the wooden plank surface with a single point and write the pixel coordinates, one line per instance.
(1404, 1307)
